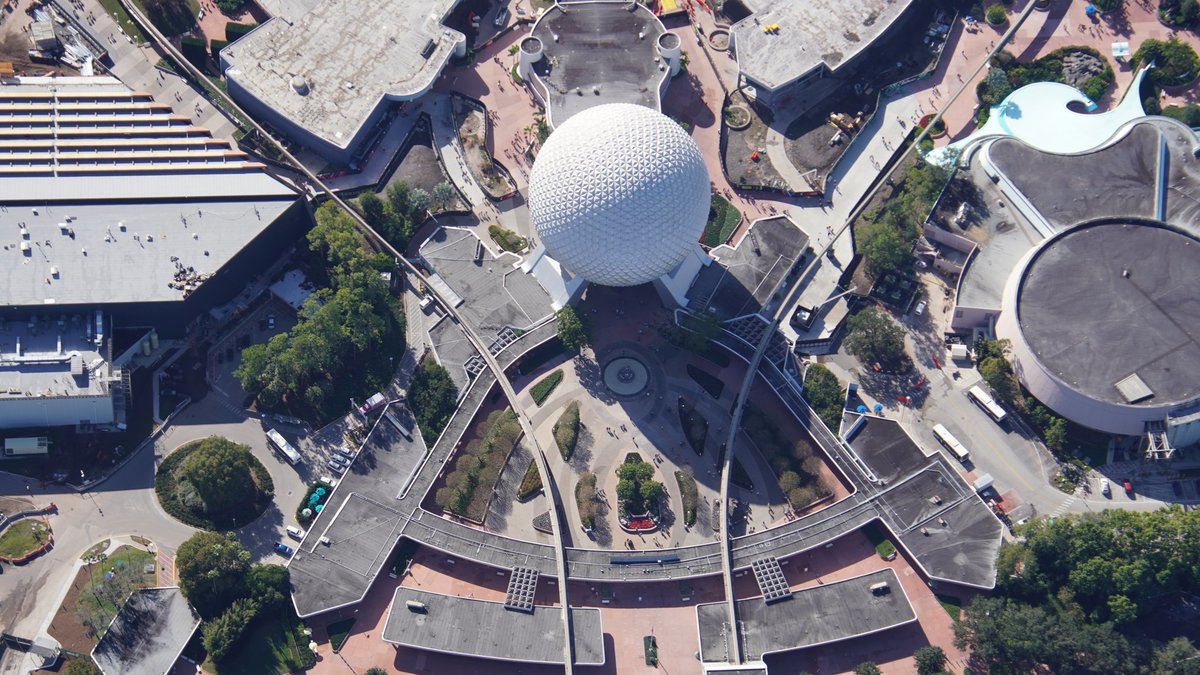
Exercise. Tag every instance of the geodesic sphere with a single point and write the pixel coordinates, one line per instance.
(619, 194)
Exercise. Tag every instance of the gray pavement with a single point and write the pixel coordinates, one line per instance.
(136, 67)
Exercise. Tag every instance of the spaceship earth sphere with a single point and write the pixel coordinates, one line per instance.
(619, 194)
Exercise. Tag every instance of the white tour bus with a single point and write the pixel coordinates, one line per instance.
(280, 443)
(950, 442)
(984, 400)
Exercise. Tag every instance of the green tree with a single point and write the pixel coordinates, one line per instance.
(873, 336)
(867, 668)
(432, 397)
(1055, 434)
(374, 209)
(222, 633)
(377, 670)
(398, 198)
(999, 376)
(269, 586)
(651, 491)
(81, 666)
(573, 332)
(442, 196)
(1177, 657)
(883, 248)
(212, 568)
(930, 660)
(824, 393)
(219, 471)
(627, 491)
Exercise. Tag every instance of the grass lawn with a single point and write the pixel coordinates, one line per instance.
(338, 632)
(110, 582)
(951, 604)
(115, 10)
(276, 645)
(23, 537)
(723, 219)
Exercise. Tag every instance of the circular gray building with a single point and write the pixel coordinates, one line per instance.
(1104, 325)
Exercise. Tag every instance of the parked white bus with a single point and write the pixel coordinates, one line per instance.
(951, 443)
(280, 443)
(984, 400)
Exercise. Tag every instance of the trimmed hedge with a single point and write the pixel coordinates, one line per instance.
(695, 427)
(215, 48)
(566, 430)
(689, 494)
(531, 484)
(542, 390)
(235, 31)
(710, 383)
(165, 488)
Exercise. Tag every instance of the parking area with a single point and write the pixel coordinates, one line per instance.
(257, 327)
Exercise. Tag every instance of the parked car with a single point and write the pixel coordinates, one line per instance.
(340, 461)
(920, 308)
(1128, 485)
(339, 469)
(284, 550)
(344, 452)
(1105, 488)
(271, 321)
(295, 532)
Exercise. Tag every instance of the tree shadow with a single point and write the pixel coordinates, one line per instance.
(581, 459)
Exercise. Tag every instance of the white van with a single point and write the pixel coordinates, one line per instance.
(295, 532)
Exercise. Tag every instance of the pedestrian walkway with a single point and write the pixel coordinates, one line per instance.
(135, 65)
(1064, 507)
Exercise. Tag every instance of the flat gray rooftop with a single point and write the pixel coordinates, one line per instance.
(1115, 181)
(597, 45)
(923, 492)
(1102, 302)
(123, 252)
(743, 278)
(350, 54)
(811, 33)
(41, 369)
(496, 293)
(469, 627)
(453, 350)
(147, 634)
(362, 521)
(814, 616)
(887, 449)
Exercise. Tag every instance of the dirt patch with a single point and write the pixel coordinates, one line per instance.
(471, 123)
(420, 166)
(745, 158)
(66, 626)
(810, 139)
(14, 48)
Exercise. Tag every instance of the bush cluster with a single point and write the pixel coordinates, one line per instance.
(478, 465)
(531, 483)
(886, 236)
(213, 484)
(585, 499)
(689, 494)
(996, 14)
(542, 390)
(1008, 74)
(433, 398)
(723, 219)
(798, 468)
(1175, 62)
(507, 239)
(1179, 13)
(566, 430)
(235, 31)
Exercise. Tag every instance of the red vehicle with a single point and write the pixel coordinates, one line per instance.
(1128, 485)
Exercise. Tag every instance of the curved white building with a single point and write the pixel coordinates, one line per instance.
(1104, 325)
(619, 195)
